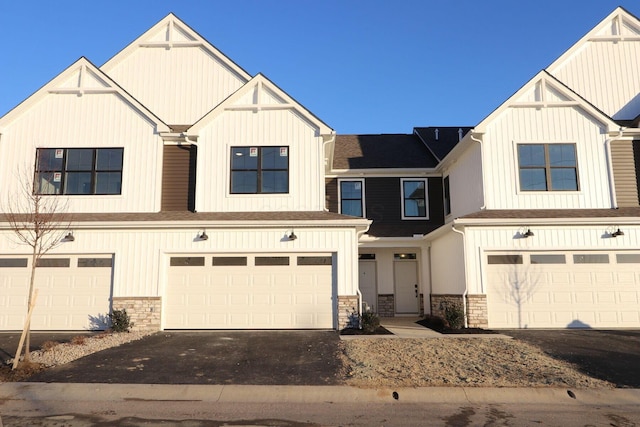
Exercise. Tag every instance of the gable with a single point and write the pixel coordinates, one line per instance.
(602, 67)
(175, 72)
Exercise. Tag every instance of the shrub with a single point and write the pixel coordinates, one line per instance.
(454, 315)
(120, 321)
(78, 340)
(434, 322)
(370, 322)
(49, 345)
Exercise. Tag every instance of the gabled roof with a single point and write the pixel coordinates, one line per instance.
(441, 140)
(82, 78)
(261, 94)
(381, 151)
(544, 91)
(173, 32)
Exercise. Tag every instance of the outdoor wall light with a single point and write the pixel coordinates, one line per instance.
(617, 233)
(292, 236)
(202, 236)
(528, 233)
(68, 238)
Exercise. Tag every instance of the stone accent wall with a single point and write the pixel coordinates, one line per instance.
(144, 312)
(348, 315)
(478, 315)
(386, 305)
(421, 305)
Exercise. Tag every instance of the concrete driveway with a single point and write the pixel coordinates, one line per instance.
(612, 355)
(211, 357)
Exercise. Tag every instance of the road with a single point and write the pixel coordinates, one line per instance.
(196, 414)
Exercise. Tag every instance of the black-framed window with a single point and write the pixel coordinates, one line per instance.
(447, 195)
(548, 167)
(74, 171)
(414, 199)
(259, 170)
(352, 198)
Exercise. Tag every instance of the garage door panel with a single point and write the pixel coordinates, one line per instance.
(583, 294)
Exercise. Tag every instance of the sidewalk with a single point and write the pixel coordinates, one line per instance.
(311, 394)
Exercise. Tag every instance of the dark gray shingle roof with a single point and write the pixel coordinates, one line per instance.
(441, 140)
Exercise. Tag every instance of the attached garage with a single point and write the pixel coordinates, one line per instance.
(74, 292)
(249, 291)
(569, 289)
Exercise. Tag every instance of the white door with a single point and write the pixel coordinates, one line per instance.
(74, 292)
(367, 284)
(407, 295)
(568, 289)
(252, 291)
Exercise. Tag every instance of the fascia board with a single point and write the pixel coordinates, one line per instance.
(44, 91)
(367, 241)
(382, 172)
(456, 152)
(323, 128)
(134, 45)
(479, 222)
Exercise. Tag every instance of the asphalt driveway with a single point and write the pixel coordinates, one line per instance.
(611, 355)
(211, 357)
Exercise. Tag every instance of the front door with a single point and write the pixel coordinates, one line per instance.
(367, 284)
(406, 283)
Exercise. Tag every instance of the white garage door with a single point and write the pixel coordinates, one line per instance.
(563, 290)
(254, 291)
(74, 292)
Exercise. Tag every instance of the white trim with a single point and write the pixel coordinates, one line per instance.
(384, 172)
(362, 199)
(426, 199)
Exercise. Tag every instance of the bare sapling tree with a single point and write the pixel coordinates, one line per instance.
(39, 221)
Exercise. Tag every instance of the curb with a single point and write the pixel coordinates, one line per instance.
(312, 394)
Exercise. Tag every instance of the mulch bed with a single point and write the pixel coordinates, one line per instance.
(437, 326)
(379, 331)
(23, 372)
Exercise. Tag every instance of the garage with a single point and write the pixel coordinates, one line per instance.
(569, 289)
(249, 291)
(74, 292)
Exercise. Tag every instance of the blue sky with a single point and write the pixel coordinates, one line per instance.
(362, 66)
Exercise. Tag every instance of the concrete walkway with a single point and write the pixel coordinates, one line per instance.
(406, 327)
(38, 392)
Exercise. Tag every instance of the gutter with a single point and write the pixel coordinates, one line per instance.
(466, 285)
(612, 184)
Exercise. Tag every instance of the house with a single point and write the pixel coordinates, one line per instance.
(202, 197)
(196, 196)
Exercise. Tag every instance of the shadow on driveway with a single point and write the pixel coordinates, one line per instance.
(211, 357)
(611, 355)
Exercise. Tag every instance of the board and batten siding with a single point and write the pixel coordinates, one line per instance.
(263, 128)
(180, 85)
(596, 71)
(88, 121)
(141, 256)
(548, 238)
(625, 157)
(545, 125)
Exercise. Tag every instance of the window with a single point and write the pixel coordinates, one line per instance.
(504, 259)
(414, 199)
(220, 261)
(272, 260)
(352, 198)
(591, 259)
(548, 167)
(180, 261)
(628, 258)
(78, 171)
(259, 170)
(314, 260)
(548, 259)
(447, 195)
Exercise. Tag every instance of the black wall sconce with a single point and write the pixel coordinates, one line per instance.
(68, 238)
(202, 236)
(528, 233)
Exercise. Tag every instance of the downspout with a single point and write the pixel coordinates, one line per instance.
(612, 183)
(482, 163)
(464, 294)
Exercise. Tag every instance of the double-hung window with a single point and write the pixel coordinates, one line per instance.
(414, 199)
(74, 171)
(352, 197)
(259, 170)
(548, 167)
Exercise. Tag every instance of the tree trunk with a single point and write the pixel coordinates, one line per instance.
(27, 346)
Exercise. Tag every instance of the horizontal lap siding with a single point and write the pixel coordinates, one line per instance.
(178, 178)
(625, 156)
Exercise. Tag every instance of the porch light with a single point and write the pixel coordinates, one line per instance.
(528, 233)
(292, 236)
(69, 237)
(617, 233)
(202, 236)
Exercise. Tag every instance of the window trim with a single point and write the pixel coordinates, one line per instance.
(258, 171)
(426, 199)
(65, 170)
(547, 168)
(362, 198)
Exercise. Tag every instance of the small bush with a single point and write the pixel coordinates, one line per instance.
(120, 321)
(370, 322)
(434, 322)
(49, 345)
(454, 316)
(78, 340)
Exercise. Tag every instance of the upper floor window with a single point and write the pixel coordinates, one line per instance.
(414, 199)
(447, 195)
(259, 170)
(352, 197)
(78, 171)
(548, 167)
